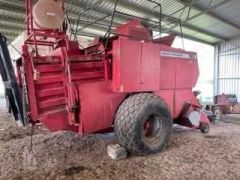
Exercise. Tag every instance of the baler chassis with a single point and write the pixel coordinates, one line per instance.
(127, 81)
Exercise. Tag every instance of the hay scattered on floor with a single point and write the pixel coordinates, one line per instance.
(66, 155)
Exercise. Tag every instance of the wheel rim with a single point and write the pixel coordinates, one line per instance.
(217, 112)
(152, 128)
(205, 128)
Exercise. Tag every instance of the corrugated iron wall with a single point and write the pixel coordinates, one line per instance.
(227, 67)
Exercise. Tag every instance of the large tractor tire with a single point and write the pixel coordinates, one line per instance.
(143, 124)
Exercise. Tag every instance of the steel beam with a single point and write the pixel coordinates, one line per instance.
(7, 32)
(73, 16)
(10, 25)
(210, 14)
(10, 29)
(150, 14)
(11, 20)
(193, 28)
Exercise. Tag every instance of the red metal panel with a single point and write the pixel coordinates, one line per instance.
(87, 75)
(127, 66)
(187, 73)
(144, 61)
(150, 67)
(181, 97)
(179, 69)
(166, 40)
(124, 28)
(167, 73)
(86, 66)
(57, 121)
(98, 106)
(134, 30)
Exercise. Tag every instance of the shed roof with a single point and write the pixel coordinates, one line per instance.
(208, 21)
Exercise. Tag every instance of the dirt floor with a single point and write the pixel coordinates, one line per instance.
(64, 155)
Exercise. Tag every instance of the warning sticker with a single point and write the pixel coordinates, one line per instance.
(178, 55)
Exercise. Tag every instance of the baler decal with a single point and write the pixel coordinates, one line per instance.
(177, 55)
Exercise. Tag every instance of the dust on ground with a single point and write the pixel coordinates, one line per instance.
(66, 155)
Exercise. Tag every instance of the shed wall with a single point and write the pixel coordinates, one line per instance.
(227, 67)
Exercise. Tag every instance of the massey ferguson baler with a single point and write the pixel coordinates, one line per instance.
(128, 83)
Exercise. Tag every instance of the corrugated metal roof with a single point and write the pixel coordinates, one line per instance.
(209, 21)
(229, 11)
(207, 3)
